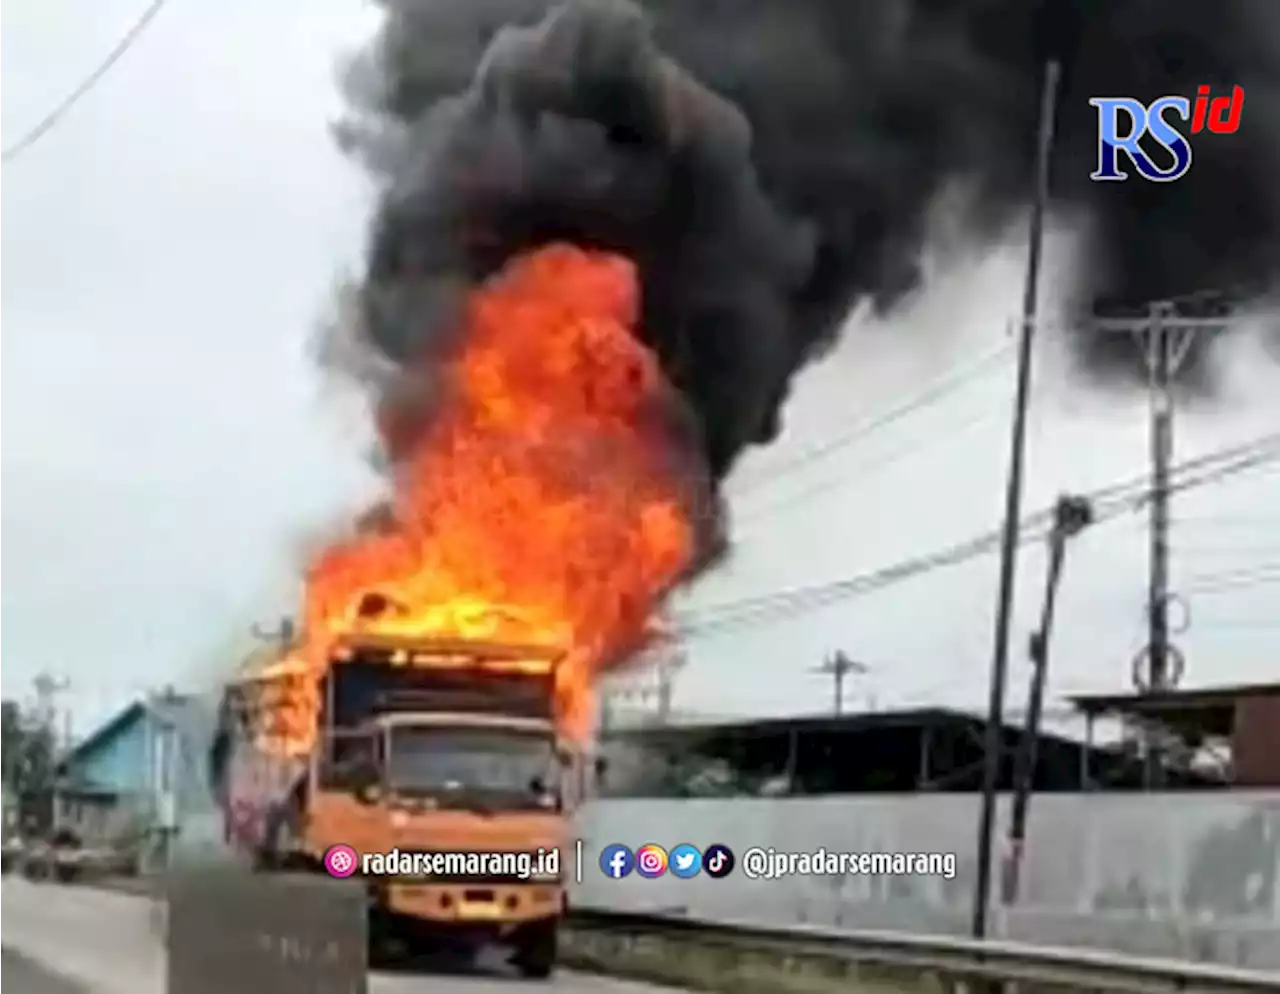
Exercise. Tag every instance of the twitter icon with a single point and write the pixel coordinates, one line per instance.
(685, 861)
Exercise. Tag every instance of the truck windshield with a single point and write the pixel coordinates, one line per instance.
(500, 767)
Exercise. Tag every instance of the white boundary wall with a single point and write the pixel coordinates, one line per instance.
(1193, 875)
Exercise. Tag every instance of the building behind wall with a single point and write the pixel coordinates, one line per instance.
(1230, 734)
(1188, 871)
(129, 782)
(909, 751)
(1213, 739)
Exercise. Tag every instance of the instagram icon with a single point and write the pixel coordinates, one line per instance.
(651, 861)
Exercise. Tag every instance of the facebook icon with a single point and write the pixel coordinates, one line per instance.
(616, 861)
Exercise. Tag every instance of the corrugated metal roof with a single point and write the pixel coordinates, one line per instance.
(189, 713)
(94, 740)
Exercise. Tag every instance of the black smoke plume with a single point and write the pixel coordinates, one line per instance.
(769, 164)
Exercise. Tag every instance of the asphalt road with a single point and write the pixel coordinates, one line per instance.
(26, 976)
(80, 940)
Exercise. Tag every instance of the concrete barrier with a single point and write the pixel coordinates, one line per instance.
(731, 957)
(232, 930)
(1181, 875)
(309, 935)
(31, 977)
(704, 964)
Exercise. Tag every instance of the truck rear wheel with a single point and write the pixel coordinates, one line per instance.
(537, 950)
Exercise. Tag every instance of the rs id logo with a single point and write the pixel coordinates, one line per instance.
(1123, 122)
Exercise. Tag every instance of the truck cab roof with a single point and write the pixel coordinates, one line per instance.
(373, 683)
(454, 719)
(392, 648)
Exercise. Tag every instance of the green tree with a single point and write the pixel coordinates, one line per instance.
(10, 741)
(28, 749)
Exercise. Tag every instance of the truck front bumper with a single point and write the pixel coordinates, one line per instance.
(500, 907)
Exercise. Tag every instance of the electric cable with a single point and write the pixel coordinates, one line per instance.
(51, 119)
(1035, 524)
(934, 392)
(1237, 579)
(864, 472)
(794, 602)
(1231, 521)
(1109, 502)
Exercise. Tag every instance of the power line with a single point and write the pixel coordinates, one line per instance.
(936, 391)
(789, 603)
(1234, 458)
(50, 120)
(863, 472)
(1214, 551)
(1271, 523)
(1109, 502)
(1236, 579)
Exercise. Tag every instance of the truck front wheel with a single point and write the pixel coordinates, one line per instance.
(536, 951)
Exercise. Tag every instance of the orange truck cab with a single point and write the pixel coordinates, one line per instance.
(439, 764)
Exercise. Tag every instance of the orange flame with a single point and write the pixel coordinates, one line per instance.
(538, 500)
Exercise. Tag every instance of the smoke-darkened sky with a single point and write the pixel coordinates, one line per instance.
(770, 165)
(171, 245)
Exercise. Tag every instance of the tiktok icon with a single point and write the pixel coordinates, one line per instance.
(718, 861)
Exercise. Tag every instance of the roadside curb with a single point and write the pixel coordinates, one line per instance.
(719, 968)
(34, 976)
(683, 960)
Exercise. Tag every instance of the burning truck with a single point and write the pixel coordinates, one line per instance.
(438, 696)
(416, 746)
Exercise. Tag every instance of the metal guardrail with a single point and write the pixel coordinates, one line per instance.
(951, 957)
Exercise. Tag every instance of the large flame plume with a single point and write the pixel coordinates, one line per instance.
(544, 496)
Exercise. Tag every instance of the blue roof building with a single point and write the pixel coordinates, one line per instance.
(139, 772)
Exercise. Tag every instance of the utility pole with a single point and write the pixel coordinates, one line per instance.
(606, 711)
(164, 741)
(47, 688)
(1160, 359)
(283, 634)
(993, 744)
(838, 666)
(672, 660)
(1167, 337)
(43, 771)
(1071, 516)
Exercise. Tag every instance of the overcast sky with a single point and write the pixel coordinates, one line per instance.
(167, 444)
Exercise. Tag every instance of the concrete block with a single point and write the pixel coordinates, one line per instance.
(230, 930)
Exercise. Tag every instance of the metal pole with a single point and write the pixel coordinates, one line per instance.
(1027, 755)
(606, 711)
(1160, 344)
(992, 754)
(839, 665)
(1072, 514)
